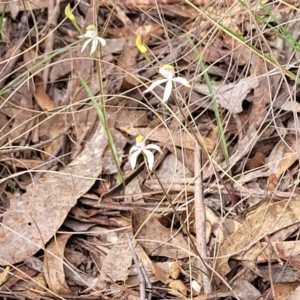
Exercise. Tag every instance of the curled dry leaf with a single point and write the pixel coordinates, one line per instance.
(42, 99)
(174, 269)
(54, 265)
(150, 266)
(179, 286)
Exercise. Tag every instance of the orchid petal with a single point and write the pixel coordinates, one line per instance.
(168, 91)
(85, 44)
(101, 40)
(134, 148)
(154, 85)
(133, 158)
(153, 146)
(94, 46)
(150, 158)
(181, 80)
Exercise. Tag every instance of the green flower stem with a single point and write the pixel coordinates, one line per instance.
(101, 111)
(77, 27)
(215, 106)
(147, 58)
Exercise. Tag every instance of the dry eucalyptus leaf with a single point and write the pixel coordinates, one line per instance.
(150, 266)
(3, 275)
(261, 252)
(294, 295)
(127, 64)
(282, 291)
(117, 262)
(34, 217)
(22, 120)
(156, 239)
(51, 128)
(54, 265)
(127, 117)
(245, 290)
(232, 95)
(42, 99)
(283, 156)
(265, 220)
(21, 5)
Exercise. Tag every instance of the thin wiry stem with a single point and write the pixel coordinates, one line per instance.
(200, 219)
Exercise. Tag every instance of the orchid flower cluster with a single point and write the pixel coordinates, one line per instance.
(167, 71)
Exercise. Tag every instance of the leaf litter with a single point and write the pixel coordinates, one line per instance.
(64, 215)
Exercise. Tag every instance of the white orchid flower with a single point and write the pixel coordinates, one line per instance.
(139, 148)
(168, 72)
(91, 35)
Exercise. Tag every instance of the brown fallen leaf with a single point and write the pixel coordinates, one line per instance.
(20, 5)
(256, 161)
(150, 266)
(282, 291)
(117, 262)
(23, 272)
(261, 252)
(156, 239)
(35, 216)
(54, 265)
(22, 118)
(230, 96)
(50, 129)
(174, 269)
(3, 275)
(179, 286)
(284, 156)
(127, 64)
(42, 99)
(265, 220)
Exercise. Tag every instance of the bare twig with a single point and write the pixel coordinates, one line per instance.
(200, 219)
(143, 277)
(53, 14)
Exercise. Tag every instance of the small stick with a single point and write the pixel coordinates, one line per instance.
(143, 277)
(200, 219)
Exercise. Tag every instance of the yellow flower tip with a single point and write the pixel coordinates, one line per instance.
(167, 71)
(68, 13)
(140, 44)
(139, 138)
(168, 67)
(91, 27)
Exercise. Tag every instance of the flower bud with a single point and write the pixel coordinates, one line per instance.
(140, 44)
(68, 13)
